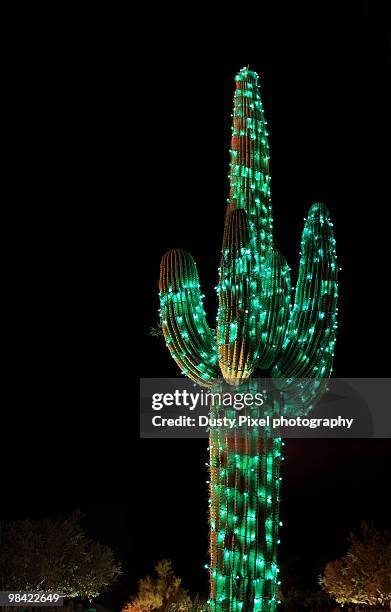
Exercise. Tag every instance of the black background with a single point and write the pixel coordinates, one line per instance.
(121, 138)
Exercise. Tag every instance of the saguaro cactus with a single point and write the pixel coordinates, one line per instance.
(257, 331)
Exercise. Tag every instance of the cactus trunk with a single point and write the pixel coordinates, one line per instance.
(244, 520)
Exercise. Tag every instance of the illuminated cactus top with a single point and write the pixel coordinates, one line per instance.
(256, 326)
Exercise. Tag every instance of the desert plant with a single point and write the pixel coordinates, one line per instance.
(257, 331)
(363, 575)
(55, 555)
(162, 592)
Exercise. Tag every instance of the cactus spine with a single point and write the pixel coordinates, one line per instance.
(257, 330)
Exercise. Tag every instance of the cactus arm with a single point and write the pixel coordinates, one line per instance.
(237, 339)
(308, 347)
(187, 335)
(275, 307)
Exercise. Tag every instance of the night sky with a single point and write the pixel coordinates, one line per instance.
(122, 153)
